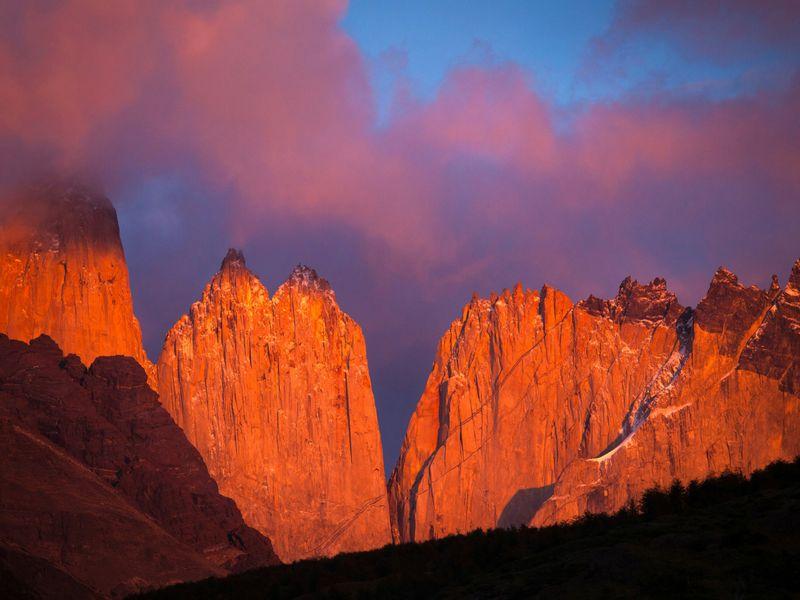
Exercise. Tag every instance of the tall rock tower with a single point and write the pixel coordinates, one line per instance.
(63, 273)
(275, 394)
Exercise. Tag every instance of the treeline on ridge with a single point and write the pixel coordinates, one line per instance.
(725, 536)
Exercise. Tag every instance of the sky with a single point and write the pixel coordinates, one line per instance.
(414, 152)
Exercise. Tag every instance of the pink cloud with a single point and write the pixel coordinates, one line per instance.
(270, 102)
(490, 113)
(693, 138)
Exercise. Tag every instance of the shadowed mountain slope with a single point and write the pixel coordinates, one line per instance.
(725, 537)
(101, 491)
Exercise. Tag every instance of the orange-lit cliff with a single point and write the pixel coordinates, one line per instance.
(275, 394)
(63, 273)
(538, 409)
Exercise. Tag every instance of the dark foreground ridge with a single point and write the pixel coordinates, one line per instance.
(724, 537)
(101, 494)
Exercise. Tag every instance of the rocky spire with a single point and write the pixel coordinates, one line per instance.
(305, 280)
(233, 259)
(63, 272)
(651, 301)
(774, 350)
(774, 288)
(637, 302)
(304, 277)
(730, 309)
(794, 278)
(275, 394)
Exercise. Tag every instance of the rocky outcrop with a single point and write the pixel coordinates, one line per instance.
(729, 309)
(63, 273)
(275, 394)
(774, 350)
(538, 410)
(101, 492)
(637, 302)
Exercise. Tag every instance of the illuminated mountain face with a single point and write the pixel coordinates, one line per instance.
(538, 409)
(275, 394)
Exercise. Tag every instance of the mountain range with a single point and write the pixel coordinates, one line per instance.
(254, 437)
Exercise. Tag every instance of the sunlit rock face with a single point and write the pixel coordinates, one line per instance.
(101, 493)
(63, 273)
(275, 394)
(538, 409)
(774, 349)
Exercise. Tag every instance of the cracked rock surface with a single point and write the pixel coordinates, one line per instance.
(537, 409)
(63, 273)
(275, 394)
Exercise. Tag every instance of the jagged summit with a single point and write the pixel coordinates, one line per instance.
(729, 308)
(275, 394)
(774, 349)
(233, 259)
(724, 275)
(794, 278)
(774, 287)
(305, 277)
(483, 304)
(655, 290)
(304, 274)
(653, 392)
(637, 302)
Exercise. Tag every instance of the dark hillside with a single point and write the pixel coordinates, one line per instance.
(725, 537)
